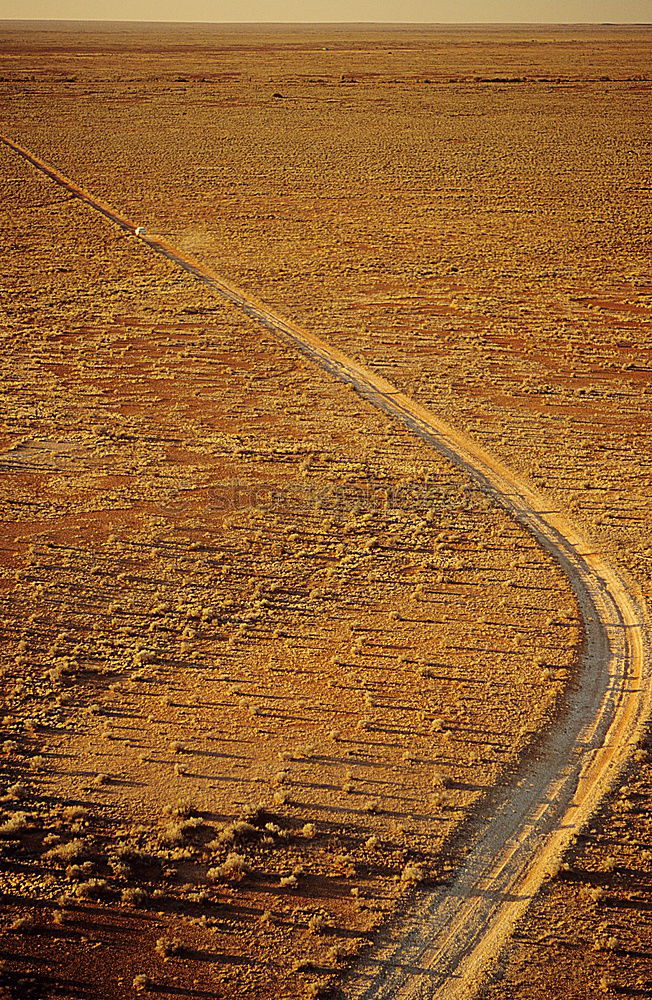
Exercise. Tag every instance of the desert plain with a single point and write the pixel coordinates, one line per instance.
(268, 656)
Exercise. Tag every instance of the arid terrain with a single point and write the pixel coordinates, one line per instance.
(267, 656)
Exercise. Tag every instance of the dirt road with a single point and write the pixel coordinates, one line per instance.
(451, 934)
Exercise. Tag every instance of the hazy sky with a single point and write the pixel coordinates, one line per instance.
(438, 11)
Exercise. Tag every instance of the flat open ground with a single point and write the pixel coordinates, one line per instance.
(266, 654)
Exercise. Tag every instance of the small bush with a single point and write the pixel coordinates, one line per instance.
(17, 792)
(439, 781)
(71, 851)
(233, 832)
(73, 813)
(14, 825)
(22, 925)
(93, 889)
(134, 896)
(413, 873)
(166, 947)
(184, 807)
(320, 922)
(317, 990)
(233, 869)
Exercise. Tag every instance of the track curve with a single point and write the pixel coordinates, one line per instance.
(446, 942)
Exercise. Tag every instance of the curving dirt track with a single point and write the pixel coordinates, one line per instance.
(447, 939)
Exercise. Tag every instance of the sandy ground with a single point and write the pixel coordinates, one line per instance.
(411, 255)
(450, 940)
(213, 609)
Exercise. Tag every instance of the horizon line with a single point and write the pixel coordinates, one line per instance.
(397, 24)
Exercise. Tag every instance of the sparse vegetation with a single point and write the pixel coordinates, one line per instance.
(224, 575)
(14, 825)
(166, 947)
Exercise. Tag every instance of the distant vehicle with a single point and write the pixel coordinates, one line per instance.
(140, 231)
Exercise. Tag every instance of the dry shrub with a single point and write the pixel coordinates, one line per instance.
(94, 888)
(166, 947)
(23, 924)
(413, 873)
(14, 825)
(232, 832)
(320, 922)
(233, 869)
(71, 851)
(134, 896)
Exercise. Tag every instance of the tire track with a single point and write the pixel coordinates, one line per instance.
(448, 939)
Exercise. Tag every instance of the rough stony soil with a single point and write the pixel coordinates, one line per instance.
(264, 652)
(467, 213)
